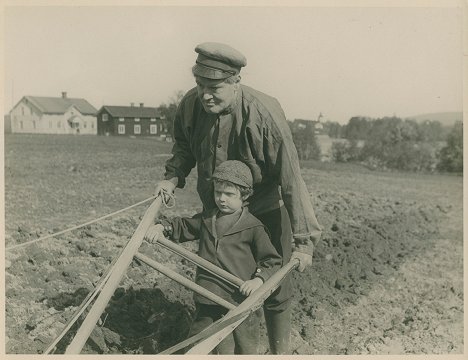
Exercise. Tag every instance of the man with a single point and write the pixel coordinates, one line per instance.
(223, 120)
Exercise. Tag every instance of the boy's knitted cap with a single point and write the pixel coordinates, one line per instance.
(234, 171)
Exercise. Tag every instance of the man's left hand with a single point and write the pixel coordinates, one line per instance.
(305, 260)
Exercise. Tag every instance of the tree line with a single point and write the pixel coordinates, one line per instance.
(402, 144)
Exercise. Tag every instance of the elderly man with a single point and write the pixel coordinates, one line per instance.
(223, 120)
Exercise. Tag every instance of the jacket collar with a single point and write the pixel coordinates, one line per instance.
(246, 221)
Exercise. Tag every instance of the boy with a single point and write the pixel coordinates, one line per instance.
(233, 239)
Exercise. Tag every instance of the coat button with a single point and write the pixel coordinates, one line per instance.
(259, 270)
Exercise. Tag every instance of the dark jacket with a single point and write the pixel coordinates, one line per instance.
(260, 137)
(244, 250)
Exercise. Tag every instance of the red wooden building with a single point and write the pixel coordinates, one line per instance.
(131, 121)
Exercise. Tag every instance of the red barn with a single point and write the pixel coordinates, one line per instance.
(131, 121)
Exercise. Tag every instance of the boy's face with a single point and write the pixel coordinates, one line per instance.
(228, 198)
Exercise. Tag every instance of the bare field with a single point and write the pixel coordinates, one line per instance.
(387, 277)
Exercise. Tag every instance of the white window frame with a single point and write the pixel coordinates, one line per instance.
(137, 119)
(121, 119)
(121, 129)
(137, 129)
(153, 119)
(153, 129)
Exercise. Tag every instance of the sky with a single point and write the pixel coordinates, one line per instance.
(338, 61)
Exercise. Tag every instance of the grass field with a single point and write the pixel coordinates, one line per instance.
(379, 229)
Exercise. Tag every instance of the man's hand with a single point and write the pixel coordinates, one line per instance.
(250, 285)
(305, 260)
(165, 187)
(154, 233)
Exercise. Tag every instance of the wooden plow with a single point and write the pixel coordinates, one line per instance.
(209, 338)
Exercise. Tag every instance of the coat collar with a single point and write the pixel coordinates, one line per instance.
(246, 221)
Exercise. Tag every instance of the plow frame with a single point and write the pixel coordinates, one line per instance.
(210, 337)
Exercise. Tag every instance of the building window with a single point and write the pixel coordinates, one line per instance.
(137, 119)
(137, 129)
(153, 129)
(121, 119)
(153, 119)
(21, 125)
(92, 125)
(121, 129)
(22, 111)
(58, 124)
(160, 127)
(34, 124)
(84, 125)
(105, 117)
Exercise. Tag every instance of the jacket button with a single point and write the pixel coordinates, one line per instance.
(259, 270)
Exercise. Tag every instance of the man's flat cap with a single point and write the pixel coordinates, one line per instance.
(217, 61)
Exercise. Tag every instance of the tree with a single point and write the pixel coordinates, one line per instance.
(451, 156)
(306, 141)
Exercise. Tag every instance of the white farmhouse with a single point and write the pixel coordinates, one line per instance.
(53, 115)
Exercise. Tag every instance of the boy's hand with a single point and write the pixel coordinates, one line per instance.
(154, 233)
(250, 285)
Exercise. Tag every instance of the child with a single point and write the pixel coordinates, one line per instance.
(236, 241)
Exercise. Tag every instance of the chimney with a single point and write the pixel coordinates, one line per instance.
(132, 104)
(142, 104)
(64, 94)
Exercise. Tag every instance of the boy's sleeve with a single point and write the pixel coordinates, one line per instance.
(267, 258)
(184, 229)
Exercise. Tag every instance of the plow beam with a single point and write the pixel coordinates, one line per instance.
(118, 271)
(254, 301)
(184, 281)
(200, 262)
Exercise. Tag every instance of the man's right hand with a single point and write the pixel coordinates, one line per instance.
(165, 188)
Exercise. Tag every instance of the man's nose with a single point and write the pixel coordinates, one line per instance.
(206, 94)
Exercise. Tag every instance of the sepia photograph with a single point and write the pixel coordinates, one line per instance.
(233, 179)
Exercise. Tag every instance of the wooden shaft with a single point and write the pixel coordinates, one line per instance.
(210, 330)
(202, 263)
(255, 300)
(184, 281)
(118, 271)
(240, 314)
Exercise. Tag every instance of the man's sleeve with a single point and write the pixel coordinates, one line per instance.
(283, 157)
(182, 160)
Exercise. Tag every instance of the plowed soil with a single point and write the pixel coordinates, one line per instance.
(387, 276)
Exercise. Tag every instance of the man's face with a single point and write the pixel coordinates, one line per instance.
(216, 95)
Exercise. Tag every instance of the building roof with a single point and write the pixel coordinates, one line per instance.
(132, 111)
(59, 105)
